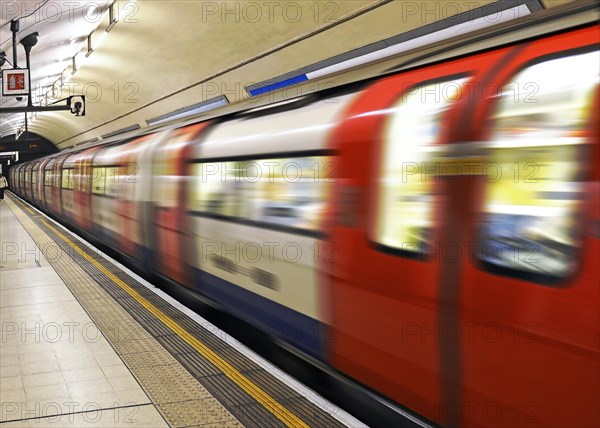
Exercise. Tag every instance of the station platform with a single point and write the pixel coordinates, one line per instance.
(86, 342)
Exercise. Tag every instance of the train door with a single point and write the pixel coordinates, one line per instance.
(390, 318)
(22, 180)
(530, 290)
(35, 188)
(145, 197)
(106, 189)
(20, 177)
(57, 185)
(169, 188)
(42, 182)
(69, 207)
(15, 179)
(28, 185)
(129, 207)
(22, 186)
(49, 184)
(17, 183)
(83, 185)
(11, 178)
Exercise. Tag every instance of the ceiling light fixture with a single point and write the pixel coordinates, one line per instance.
(113, 16)
(189, 111)
(121, 131)
(90, 49)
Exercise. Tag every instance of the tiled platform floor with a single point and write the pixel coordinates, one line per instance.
(56, 369)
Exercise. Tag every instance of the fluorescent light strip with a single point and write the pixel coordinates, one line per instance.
(90, 141)
(121, 131)
(431, 33)
(113, 17)
(189, 111)
(456, 30)
(272, 87)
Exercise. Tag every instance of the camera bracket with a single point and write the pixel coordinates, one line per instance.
(75, 104)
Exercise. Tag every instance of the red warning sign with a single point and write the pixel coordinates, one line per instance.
(15, 82)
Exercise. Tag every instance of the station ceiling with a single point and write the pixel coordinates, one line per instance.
(159, 56)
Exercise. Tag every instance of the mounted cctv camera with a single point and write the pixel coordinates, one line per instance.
(77, 104)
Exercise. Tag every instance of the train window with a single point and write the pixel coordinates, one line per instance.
(34, 177)
(77, 178)
(27, 176)
(538, 142)
(67, 179)
(288, 192)
(99, 180)
(406, 192)
(112, 181)
(48, 178)
(84, 177)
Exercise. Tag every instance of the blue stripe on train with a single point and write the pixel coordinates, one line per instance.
(301, 331)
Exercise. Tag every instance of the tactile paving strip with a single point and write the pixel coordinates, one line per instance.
(205, 413)
(236, 401)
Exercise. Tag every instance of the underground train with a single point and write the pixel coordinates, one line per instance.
(432, 234)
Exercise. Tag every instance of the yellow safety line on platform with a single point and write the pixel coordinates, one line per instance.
(28, 209)
(287, 417)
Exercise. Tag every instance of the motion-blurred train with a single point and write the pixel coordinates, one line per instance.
(432, 233)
